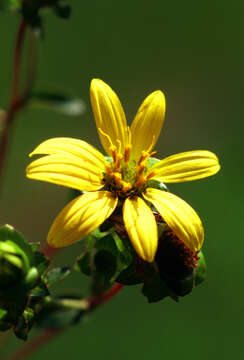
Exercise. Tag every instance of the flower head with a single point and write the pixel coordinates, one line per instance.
(125, 176)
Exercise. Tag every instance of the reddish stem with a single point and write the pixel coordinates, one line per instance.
(96, 301)
(16, 101)
(34, 344)
(49, 251)
(49, 334)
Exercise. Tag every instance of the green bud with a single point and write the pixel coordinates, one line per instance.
(32, 277)
(13, 264)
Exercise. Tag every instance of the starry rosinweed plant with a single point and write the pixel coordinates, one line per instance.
(132, 229)
(125, 187)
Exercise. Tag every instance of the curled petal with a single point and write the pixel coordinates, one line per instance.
(147, 124)
(179, 216)
(186, 166)
(71, 146)
(109, 115)
(67, 170)
(80, 217)
(141, 227)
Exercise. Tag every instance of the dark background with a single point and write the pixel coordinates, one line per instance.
(193, 51)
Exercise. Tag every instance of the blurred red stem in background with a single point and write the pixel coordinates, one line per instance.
(49, 334)
(16, 100)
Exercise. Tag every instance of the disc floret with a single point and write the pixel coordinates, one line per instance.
(124, 176)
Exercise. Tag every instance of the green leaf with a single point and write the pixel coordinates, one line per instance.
(84, 263)
(62, 103)
(55, 275)
(40, 262)
(40, 290)
(24, 324)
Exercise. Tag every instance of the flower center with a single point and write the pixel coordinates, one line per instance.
(125, 176)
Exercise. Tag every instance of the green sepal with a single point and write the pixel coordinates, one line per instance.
(84, 263)
(152, 161)
(200, 271)
(40, 262)
(129, 276)
(40, 290)
(55, 275)
(155, 184)
(180, 287)
(155, 289)
(24, 324)
(60, 102)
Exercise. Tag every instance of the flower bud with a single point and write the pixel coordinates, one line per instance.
(14, 264)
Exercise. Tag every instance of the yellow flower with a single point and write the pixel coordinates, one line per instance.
(125, 176)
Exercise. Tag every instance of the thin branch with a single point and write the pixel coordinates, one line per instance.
(35, 344)
(17, 99)
(49, 334)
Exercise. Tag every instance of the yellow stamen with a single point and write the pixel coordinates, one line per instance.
(117, 178)
(144, 156)
(141, 168)
(126, 186)
(119, 157)
(127, 154)
(150, 175)
(112, 148)
(141, 181)
(109, 169)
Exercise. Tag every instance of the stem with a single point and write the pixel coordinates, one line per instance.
(49, 334)
(96, 301)
(49, 251)
(16, 100)
(35, 344)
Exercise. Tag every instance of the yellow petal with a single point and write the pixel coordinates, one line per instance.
(148, 123)
(73, 147)
(186, 166)
(141, 227)
(179, 216)
(109, 115)
(80, 217)
(67, 170)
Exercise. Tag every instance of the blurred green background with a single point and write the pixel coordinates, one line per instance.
(194, 52)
